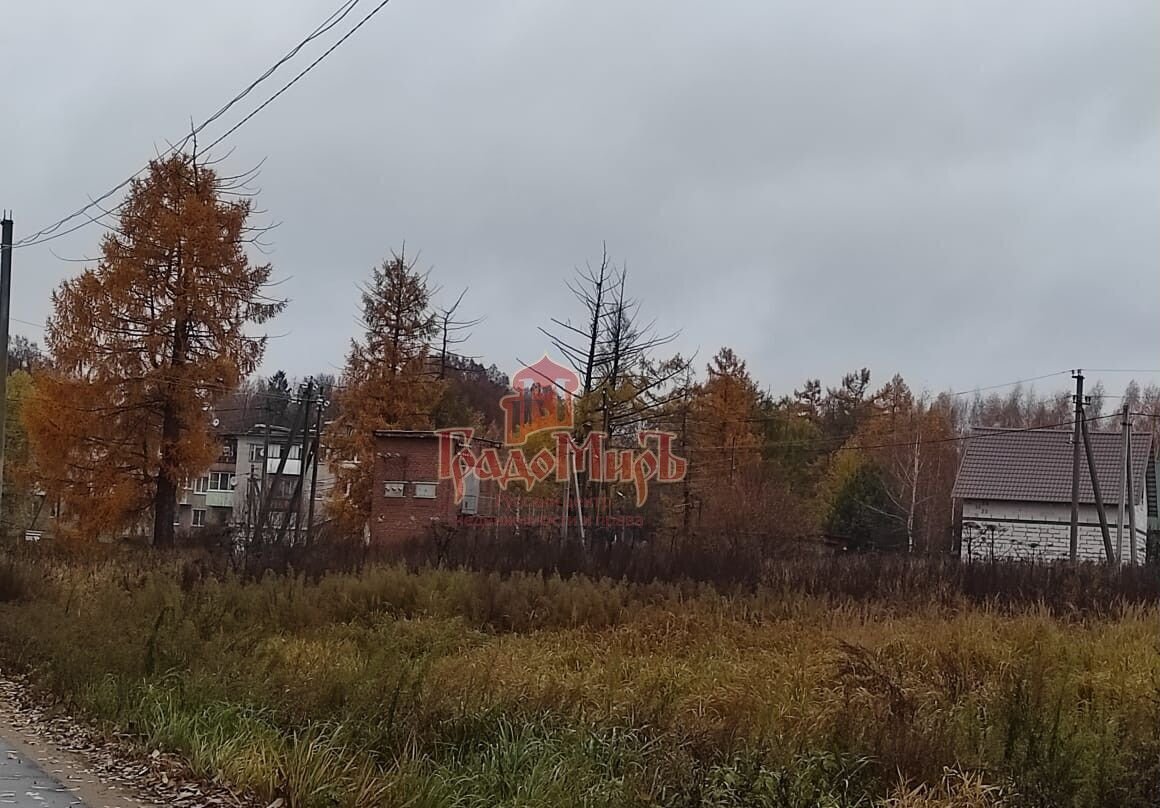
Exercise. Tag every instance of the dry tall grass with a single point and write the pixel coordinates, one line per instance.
(438, 687)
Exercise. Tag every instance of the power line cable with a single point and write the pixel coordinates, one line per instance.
(36, 238)
(975, 390)
(338, 386)
(1009, 384)
(951, 393)
(1122, 370)
(51, 232)
(932, 441)
(308, 68)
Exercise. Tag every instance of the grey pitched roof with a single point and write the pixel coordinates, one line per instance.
(1035, 465)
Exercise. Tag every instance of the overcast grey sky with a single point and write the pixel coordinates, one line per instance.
(964, 192)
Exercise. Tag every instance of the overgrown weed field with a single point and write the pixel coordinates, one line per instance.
(881, 683)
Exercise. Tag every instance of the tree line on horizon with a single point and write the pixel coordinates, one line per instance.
(113, 416)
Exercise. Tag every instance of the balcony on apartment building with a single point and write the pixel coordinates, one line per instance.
(217, 487)
(293, 462)
(219, 499)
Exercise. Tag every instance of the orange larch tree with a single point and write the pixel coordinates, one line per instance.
(143, 344)
(724, 445)
(390, 381)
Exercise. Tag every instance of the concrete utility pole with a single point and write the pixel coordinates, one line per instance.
(5, 305)
(322, 404)
(303, 460)
(1131, 503)
(259, 525)
(1125, 425)
(564, 523)
(1077, 438)
(686, 498)
(579, 505)
(295, 495)
(251, 494)
(1109, 553)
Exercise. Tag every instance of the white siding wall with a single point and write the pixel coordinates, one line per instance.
(1040, 531)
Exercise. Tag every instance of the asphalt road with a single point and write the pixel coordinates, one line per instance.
(24, 783)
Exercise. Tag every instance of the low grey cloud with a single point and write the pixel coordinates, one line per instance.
(964, 193)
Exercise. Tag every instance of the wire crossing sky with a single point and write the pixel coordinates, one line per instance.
(953, 193)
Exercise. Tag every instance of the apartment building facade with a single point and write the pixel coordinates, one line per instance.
(259, 464)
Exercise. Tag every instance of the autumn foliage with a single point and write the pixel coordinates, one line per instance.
(388, 382)
(142, 344)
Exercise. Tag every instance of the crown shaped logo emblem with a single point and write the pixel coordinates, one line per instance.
(541, 400)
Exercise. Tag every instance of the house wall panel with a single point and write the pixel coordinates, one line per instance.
(1040, 531)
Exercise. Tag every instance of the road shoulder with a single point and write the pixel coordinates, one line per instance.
(101, 772)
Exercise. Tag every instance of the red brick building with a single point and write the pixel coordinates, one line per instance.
(408, 498)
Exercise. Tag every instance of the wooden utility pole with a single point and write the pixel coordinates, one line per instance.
(5, 306)
(1109, 553)
(1076, 440)
(1125, 426)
